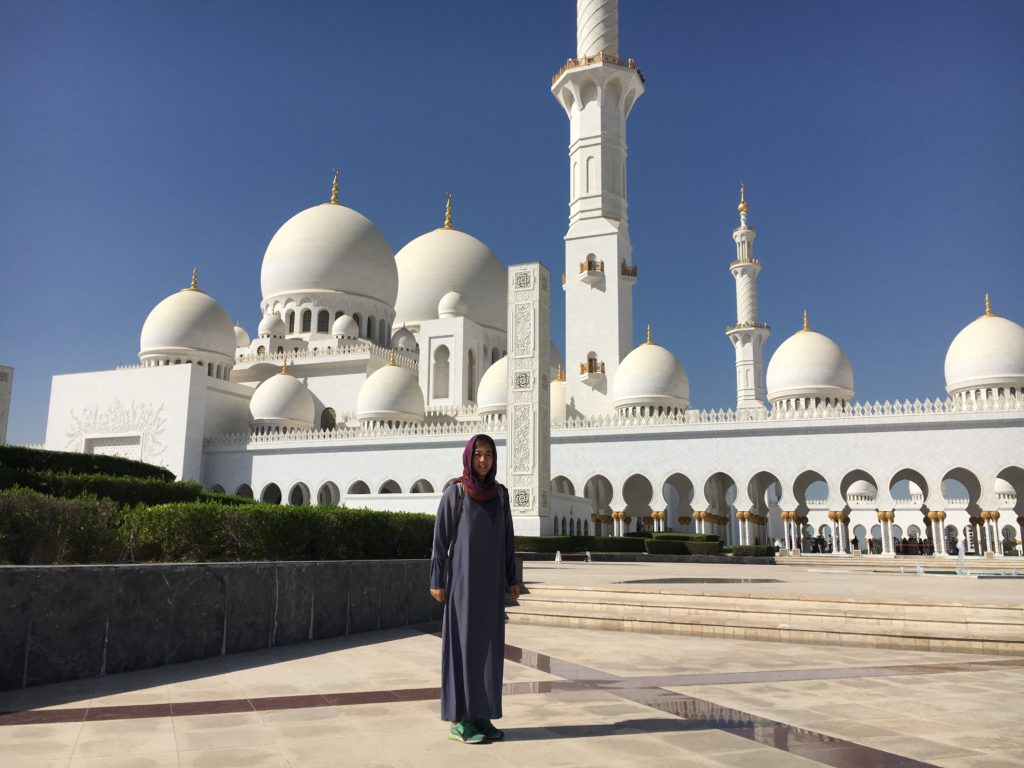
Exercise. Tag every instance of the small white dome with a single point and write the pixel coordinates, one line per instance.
(241, 337)
(282, 401)
(391, 393)
(329, 248)
(555, 360)
(346, 327)
(452, 305)
(492, 394)
(809, 365)
(271, 325)
(1004, 488)
(445, 260)
(862, 488)
(187, 322)
(988, 353)
(651, 376)
(405, 340)
(914, 489)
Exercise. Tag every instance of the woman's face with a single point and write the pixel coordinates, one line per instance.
(483, 459)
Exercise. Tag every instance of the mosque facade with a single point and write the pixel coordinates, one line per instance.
(370, 369)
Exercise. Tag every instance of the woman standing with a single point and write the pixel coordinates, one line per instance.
(472, 566)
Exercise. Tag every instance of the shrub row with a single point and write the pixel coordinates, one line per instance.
(39, 529)
(661, 546)
(123, 490)
(19, 457)
(751, 550)
(687, 536)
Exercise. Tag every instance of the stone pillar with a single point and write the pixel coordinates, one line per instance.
(1020, 540)
(528, 445)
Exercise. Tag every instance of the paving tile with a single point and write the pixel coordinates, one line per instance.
(125, 737)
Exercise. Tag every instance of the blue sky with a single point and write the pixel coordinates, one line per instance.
(880, 143)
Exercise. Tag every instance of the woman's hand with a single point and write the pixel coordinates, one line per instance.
(514, 591)
(437, 594)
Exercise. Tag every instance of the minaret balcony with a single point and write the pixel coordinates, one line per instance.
(747, 327)
(628, 272)
(592, 372)
(591, 271)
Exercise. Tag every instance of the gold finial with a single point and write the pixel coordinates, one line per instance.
(334, 188)
(448, 213)
(807, 327)
(988, 307)
(195, 279)
(742, 207)
(391, 358)
(648, 333)
(561, 374)
(284, 368)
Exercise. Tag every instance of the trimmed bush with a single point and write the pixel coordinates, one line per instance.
(617, 544)
(19, 457)
(123, 490)
(37, 529)
(688, 536)
(638, 534)
(703, 547)
(751, 550)
(552, 544)
(665, 547)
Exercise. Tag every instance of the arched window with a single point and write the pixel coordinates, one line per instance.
(382, 333)
(244, 491)
(261, 350)
(471, 377)
(328, 419)
(291, 320)
(495, 355)
(441, 372)
(338, 314)
(280, 349)
(359, 322)
(271, 494)
(299, 495)
(323, 321)
(370, 327)
(307, 320)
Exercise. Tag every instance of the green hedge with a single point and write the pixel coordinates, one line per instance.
(752, 550)
(37, 529)
(19, 457)
(688, 536)
(638, 534)
(617, 544)
(123, 490)
(552, 544)
(665, 546)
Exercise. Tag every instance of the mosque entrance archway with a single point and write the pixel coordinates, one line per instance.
(908, 486)
(959, 487)
(329, 495)
(599, 490)
(298, 496)
(271, 494)
(809, 487)
(678, 492)
(562, 484)
(637, 492)
(860, 536)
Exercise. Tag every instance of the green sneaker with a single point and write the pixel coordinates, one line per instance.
(486, 727)
(466, 732)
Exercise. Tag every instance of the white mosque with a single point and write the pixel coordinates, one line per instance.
(370, 369)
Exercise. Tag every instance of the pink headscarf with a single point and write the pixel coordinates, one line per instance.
(478, 490)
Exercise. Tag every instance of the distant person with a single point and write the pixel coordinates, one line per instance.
(472, 567)
(856, 543)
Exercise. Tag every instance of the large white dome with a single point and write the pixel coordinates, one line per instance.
(390, 394)
(988, 353)
(492, 394)
(809, 365)
(282, 401)
(329, 248)
(449, 260)
(187, 322)
(651, 376)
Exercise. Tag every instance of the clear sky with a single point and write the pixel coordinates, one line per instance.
(882, 145)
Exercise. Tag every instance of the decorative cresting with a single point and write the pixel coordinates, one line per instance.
(597, 27)
(334, 188)
(448, 212)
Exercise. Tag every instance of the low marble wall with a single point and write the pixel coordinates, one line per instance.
(67, 622)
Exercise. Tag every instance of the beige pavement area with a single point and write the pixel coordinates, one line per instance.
(948, 709)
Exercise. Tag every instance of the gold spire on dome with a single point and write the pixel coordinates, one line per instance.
(807, 327)
(195, 280)
(988, 307)
(334, 188)
(742, 207)
(284, 368)
(448, 213)
(649, 333)
(561, 374)
(391, 358)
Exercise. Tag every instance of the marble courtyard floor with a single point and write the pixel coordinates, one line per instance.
(573, 697)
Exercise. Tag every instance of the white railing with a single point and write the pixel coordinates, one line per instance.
(354, 433)
(320, 353)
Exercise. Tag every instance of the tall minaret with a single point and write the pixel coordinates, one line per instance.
(748, 335)
(597, 89)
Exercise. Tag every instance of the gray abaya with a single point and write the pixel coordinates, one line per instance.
(473, 633)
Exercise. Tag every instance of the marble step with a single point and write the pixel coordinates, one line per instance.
(757, 621)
